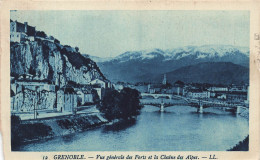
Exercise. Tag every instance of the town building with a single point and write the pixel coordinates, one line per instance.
(238, 88)
(20, 85)
(175, 90)
(84, 97)
(164, 79)
(237, 97)
(154, 88)
(29, 96)
(66, 100)
(222, 96)
(118, 87)
(21, 31)
(212, 94)
(218, 89)
(101, 83)
(198, 94)
(141, 88)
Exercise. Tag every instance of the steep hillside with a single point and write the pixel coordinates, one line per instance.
(142, 65)
(46, 60)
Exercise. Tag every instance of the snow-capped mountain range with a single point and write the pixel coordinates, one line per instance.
(136, 66)
(205, 51)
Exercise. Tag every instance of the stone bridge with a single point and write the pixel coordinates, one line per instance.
(156, 96)
(175, 100)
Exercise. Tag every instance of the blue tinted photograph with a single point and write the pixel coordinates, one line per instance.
(129, 80)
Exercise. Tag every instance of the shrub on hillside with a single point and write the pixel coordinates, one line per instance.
(41, 34)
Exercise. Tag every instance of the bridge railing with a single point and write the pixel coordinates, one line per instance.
(192, 101)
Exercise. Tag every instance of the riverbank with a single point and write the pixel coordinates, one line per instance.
(244, 112)
(244, 144)
(40, 129)
(192, 128)
(241, 146)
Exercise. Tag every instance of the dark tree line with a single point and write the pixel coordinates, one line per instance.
(124, 104)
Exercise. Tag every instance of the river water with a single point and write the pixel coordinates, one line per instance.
(177, 129)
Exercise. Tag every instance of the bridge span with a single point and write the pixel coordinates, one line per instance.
(176, 100)
(156, 96)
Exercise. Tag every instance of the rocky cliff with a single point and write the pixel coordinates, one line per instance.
(46, 60)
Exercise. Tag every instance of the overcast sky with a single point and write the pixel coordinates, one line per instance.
(110, 33)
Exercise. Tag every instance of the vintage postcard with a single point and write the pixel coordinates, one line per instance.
(130, 80)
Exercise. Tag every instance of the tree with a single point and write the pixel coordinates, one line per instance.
(77, 49)
(56, 41)
(129, 102)
(86, 55)
(110, 104)
(41, 34)
(120, 105)
(51, 38)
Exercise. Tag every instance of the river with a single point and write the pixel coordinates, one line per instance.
(177, 129)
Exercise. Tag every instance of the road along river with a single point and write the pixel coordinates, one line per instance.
(179, 128)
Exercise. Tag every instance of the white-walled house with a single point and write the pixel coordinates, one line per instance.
(118, 87)
(218, 89)
(66, 100)
(102, 83)
(17, 37)
(198, 94)
(98, 82)
(85, 96)
(99, 85)
(21, 31)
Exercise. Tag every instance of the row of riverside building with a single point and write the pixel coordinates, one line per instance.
(230, 93)
(28, 94)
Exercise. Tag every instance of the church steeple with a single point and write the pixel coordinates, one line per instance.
(164, 80)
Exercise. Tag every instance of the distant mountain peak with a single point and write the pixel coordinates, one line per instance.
(140, 66)
(198, 52)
